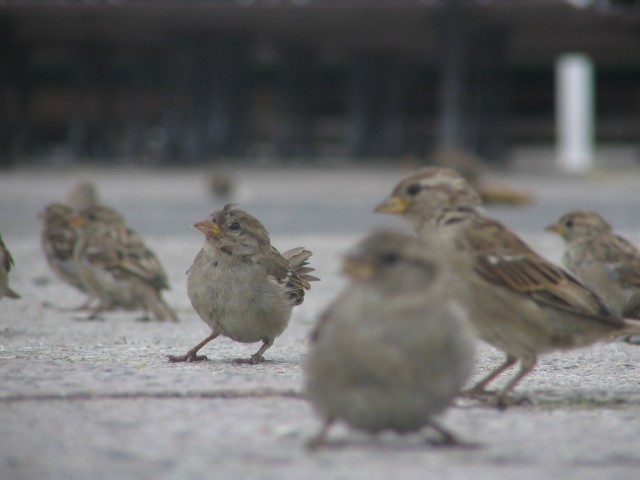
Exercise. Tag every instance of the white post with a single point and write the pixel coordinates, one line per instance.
(575, 113)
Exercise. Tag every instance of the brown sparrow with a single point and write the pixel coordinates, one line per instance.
(394, 348)
(240, 285)
(604, 261)
(58, 239)
(116, 266)
(6, 262)
(518, 302)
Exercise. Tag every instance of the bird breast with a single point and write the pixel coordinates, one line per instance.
(238, 299)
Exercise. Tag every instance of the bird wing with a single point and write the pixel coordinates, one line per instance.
(298, 259)
(279, 268)
(283, 272)
(622, 261)
(124, 252)
(511, 264)
(7, 259)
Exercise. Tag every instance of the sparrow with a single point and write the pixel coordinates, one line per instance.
(58, 239)
(604, 261)
(394, 348)
(116, 266)
(6, 262)
(517, 301)
(240, 285)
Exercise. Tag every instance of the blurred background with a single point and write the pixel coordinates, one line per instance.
(527, 82)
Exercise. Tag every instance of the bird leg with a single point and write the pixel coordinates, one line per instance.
(317, 441)
(479, 388)
(526, 365)
(256, 357)
(191, 355)
(86, 305)
(447, 439)
(156, 304)
(95, 313)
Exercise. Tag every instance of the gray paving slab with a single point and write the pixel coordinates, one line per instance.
(81, 399)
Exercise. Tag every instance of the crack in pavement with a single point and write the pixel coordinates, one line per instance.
(161, 395)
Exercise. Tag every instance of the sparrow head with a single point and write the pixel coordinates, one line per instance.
(425, 195)
(397, 261)
(55, 212)
(97, 216)
(234, 231)
(580, 224)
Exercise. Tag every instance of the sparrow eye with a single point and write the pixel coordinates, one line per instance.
(569, 223)
(92, 216)
(389, 258)
(413, 189)
(234, 227)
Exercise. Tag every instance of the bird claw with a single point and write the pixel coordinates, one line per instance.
(497, 399)
(90, 318)
(189, 357)
(252, 360)
(502, 402)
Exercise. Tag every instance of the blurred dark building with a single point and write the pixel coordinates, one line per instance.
(189, 81)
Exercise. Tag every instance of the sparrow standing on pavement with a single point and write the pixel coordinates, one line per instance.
(394, 348)
(116, 266)
(6, 262)
(240, 285)
(604, 261)
(518, 302)
(58, 239)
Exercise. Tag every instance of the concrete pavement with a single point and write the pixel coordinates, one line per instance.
(82, 399)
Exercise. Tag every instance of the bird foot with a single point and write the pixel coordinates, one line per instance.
(500, 400)
(189, 357)
(90, 318)
(252, 360)
(451, 441)
(632, 339)
(477, 394)
(447, 439)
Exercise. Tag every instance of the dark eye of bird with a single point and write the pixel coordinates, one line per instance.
(234, 227)
(413, 189)
(569, 223)
(389, 258)
(92, 216)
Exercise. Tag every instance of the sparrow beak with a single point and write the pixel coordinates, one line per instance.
(358, 268)
(394, 205)
(77, 220)
(555, 228)
(209, 228)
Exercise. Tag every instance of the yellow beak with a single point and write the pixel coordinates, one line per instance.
(358, 268)
(209, 228)
(555, 228)
(394, 205)
(77, 220)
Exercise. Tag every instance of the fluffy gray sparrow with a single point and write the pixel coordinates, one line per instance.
(518, 302)
(6, 262)
(240, 285)
(393, 349)
(604, 261)
(116, 266)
